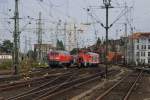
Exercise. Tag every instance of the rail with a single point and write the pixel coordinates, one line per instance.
(109, 90)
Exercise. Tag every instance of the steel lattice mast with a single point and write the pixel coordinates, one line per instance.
(16, 41)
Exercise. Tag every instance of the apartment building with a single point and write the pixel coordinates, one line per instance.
(138, 50)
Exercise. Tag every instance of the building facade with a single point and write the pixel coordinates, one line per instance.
(42, 50)
(139, 48)
(5, 57)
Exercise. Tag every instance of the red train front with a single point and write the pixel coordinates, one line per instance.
(59, 58)
(87, 59)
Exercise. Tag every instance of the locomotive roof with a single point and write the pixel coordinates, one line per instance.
(60, 51)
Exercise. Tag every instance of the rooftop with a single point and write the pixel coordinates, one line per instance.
(139, 35)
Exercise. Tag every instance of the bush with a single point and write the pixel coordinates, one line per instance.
(29, 64)
(37, 64)
(24, 65)
(6, 64)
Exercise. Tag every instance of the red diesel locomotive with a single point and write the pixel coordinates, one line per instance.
(59, 58)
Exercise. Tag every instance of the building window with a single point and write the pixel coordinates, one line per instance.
(143, 61)
(149, 54)
(149, 40)
(145, 47)
(148, 46)
(137, 54)
(142, 47)
(137, 40)
(137, 60)
(149, 61)
(137, 47)
(143, 54)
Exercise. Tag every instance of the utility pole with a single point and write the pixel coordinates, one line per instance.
(26, 43)
(57, 32)
(39, 33)
(30, 47)
(132, 41)
(65, 34)
(56, 36)
(125, 39)
(125, 45)
(16, 39)
(25, 48)
(75, 36)
(70, 37)
(107, 6)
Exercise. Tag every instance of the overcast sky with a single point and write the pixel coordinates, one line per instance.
(73, 11)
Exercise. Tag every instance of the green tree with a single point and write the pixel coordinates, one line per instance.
(74, 51)
(6, 46)
(60, 45)
(31, 54)
(98, 41)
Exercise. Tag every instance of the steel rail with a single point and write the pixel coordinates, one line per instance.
(71, 85)
(115, 85)
(40, 88)
(10, 78)
(44, 86)
(132, 87)
(25, 83)
(75, 83)
(37, 88)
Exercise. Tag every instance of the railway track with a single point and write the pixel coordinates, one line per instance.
(44, 83)
(41, 89)
(66, 86)
(30, 82)
(26, 83)
(122, 89)
(4, 79)
(71, 86)
(9, 77)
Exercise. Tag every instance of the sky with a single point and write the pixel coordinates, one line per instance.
(72, 12)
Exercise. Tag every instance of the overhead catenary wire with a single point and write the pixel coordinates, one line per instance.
(123, 12)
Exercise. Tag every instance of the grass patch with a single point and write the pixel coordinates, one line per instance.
(6, 64)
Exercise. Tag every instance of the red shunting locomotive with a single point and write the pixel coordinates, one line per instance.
(85, 59)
